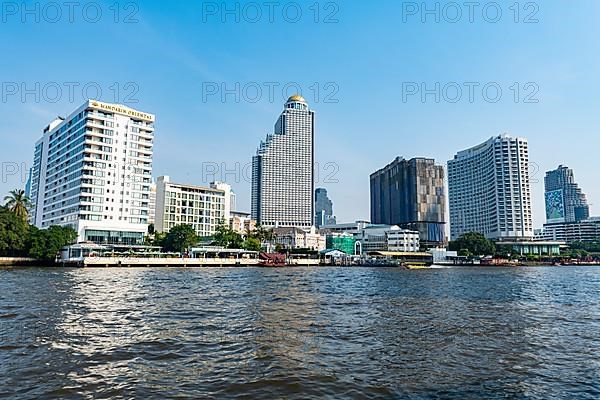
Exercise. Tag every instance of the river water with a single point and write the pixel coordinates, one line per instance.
(526, 333)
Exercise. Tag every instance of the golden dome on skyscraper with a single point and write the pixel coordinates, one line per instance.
(296, 97)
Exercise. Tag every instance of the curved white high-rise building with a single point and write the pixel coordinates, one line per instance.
(92, 171)
(489, 190)
(283, 170)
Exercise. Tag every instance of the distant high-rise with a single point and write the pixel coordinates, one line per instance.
(565, 202)
(411, 194)
(92, 171)
(323, 208)
(489, 190)
(283, 170)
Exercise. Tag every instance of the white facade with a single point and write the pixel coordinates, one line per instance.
(441, 255)
(152, 204)
(489, 190)
(283, 170)
(403, 240)
(387, 238)
(569, 232)
(241, 222)
(297, 238)
(92, 171)
(350, 227)
(204, 208)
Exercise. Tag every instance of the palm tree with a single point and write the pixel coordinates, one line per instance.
(18, 203)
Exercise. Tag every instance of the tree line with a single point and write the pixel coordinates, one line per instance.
(475, 244)
(182, 237)
(20, 239)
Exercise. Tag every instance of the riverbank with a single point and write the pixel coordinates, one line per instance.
(18, 262)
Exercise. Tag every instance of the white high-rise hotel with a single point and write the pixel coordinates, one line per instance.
(283, 170)
(93, 171)
(489, 190)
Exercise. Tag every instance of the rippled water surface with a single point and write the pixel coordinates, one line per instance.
(530, 333)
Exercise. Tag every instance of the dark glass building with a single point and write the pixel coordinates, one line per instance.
(412, 195)
(323, 208)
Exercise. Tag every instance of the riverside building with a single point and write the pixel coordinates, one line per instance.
(411, 194)
(297, 238)
(489, 190)
(581, 231)
(565, 201)
(92, 171)
(204, 208)
(283, 170)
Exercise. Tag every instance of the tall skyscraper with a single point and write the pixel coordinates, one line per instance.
(489, 190)
(92, 171)
(323, 208)
(283, 170)
(411, 194)
(565, 202)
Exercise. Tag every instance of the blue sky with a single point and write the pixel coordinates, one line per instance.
(354, 62)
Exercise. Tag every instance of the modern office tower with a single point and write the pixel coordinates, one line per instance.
(489, 190)
(92, 171)
(283, 170)
(565, 202)
(323, 208)
(412, 195)
(204, 208)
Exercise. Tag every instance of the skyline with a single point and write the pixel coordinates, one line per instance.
(194, 127)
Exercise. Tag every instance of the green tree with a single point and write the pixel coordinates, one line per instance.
(13, 233)
(465, 253)
(180, 238)
(150, 235)
(45, 244)
(503, 251)
(590, 247)
(262, 234)
(474, 242)
(18, 203)
(158, 239)
(252, 244)
(227, 237)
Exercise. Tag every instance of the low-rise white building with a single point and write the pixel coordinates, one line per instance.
(402, 240)
(377, 237)
(441, 255)
(297, 238)
(204, 208)
(387, 238)
(583, 231)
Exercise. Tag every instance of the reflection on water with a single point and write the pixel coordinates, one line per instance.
(300, 333)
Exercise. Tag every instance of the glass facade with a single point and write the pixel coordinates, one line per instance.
(114, 237)
(412, 195)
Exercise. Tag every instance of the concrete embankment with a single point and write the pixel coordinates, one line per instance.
(173, 262)
(17, 261)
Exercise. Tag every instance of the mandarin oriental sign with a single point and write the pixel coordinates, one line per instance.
(123, 110)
